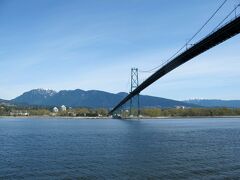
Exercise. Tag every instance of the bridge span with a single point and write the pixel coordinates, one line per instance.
(222, 34)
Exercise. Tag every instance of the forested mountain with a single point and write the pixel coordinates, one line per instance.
(215, 103)
(92, 99)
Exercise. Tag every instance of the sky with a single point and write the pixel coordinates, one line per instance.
(93, 44)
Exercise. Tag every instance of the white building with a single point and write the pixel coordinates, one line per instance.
(180, 107)
(55, 109)
(19, 113)
(63, 108)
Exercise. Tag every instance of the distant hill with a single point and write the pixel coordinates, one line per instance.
(34, 97)
(215, 103)
(4, 102)
(91, 99)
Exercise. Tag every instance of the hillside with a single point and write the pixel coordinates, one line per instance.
(91, 99)
(4, 102)
(215, 103)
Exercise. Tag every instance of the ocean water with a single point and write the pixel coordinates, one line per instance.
(52, 148)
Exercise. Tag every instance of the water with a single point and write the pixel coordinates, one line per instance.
(41, 148)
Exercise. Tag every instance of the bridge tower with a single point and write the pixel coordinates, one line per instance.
(134, 85)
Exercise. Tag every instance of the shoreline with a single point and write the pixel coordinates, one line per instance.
(133, 118)
(54, 117)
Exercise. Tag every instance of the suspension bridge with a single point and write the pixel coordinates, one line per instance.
(218, 35)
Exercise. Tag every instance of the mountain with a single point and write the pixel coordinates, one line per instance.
(34, 97)
(91, 99)
(215, 103)
(4, 102)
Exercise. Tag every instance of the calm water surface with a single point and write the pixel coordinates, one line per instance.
(38, 148)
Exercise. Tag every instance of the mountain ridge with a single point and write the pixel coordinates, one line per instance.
(217, 103)
(90, 99)
(98, 99)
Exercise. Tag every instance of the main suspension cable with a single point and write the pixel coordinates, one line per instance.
(157, 67)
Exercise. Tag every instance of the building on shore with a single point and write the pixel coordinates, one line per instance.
(180, 107)
(63, 108)
(55, 110)
(19, 113)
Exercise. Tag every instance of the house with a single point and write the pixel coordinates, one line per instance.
(180, 107)
(63, 108)
(55, 109)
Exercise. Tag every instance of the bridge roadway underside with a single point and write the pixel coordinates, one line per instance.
(222, 34)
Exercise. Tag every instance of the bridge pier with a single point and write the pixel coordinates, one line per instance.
(137, 107)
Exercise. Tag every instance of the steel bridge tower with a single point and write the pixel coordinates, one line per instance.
(134, 85)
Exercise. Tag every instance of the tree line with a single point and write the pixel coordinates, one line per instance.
(102, 112)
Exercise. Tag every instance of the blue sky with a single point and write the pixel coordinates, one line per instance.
(92, 44)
